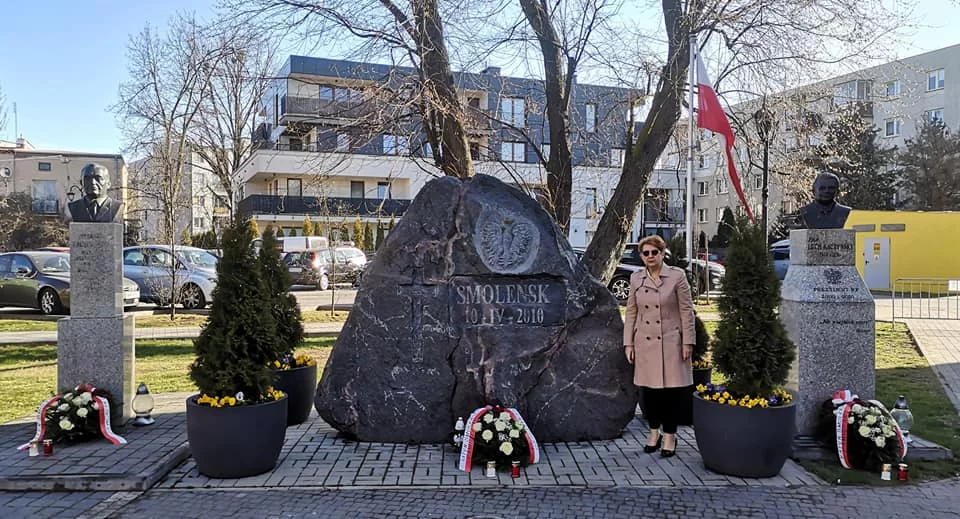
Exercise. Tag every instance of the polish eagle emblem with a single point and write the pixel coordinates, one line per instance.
(507, 243)
(833, 276)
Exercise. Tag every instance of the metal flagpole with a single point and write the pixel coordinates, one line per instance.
(691, 121)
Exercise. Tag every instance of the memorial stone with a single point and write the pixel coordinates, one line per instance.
(476, 298)
(829, 314)
(95, 345)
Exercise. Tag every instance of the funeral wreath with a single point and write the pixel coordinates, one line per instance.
(497, 434)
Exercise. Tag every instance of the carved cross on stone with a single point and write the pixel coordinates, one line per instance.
(416, 290)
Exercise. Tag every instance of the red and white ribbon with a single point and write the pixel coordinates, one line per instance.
(103, 420)
(532, 445)
(842, 431)
(41, 421)
(466, 450)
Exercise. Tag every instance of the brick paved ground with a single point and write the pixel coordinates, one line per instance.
(98, 465)
(922, 501)
(939, 340)
(313, 456)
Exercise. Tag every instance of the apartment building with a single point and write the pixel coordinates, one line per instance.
(52, 177)
(896, 97)
(340, 140)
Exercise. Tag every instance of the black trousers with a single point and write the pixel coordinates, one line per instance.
(666, 408)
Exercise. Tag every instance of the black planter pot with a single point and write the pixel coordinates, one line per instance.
(747, 443)
(299, 385)
(236, 442)
(702, 376)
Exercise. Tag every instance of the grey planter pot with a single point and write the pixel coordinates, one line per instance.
(236, 442)
(299, 385)
(747, 443)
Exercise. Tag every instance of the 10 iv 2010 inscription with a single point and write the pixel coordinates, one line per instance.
(507, 301)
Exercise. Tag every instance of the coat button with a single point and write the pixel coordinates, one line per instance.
(646, 306)
(645, 291)
(658, 338)
(648, 338)
(656, 306)
(658, 322)
(648, 322)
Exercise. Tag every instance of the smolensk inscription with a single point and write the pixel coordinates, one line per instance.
(507, 301)
(475, 298)
(506, 242)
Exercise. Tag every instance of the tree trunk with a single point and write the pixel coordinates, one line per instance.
(557, 89)
(438, 86)
(605, 249)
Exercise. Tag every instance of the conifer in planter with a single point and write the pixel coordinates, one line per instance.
(702, 369)
(236, 425)
(296, 375)
(745, 428)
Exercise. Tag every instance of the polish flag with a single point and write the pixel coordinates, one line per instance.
(710, 116)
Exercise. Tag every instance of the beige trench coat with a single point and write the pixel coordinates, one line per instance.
(658, 322)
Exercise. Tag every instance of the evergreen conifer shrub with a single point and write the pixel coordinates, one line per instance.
(752, 348)
(283, 305)
(239, 339)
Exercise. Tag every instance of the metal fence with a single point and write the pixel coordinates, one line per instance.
(926, 298)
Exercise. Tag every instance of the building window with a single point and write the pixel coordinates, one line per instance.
(44, 193)
(891, 128)
(512, 111)
(722, 188)
(851, 91)
(616, 157)
(790, 142)
(383, 190)
(719, 214)
(813, 140)
(475, 151)
(343, 142)
(786, 207)
(935, 79)
(703, 162)
(396, 145)
(545, 150)
(758, 182)
(702, 215)
(591, 121)
(356, 189)
(933, 116)
(892, 88)
(294, 187)
(43, 166)
(591, 202)
(197, 223)
(513, 151)
(702, 189)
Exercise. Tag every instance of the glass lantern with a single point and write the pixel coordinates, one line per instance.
(142, 405)
(904, 417)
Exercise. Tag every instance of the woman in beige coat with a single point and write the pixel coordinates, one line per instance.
(658, 339)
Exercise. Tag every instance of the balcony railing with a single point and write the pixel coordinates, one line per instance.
(372, 110)
(660, 214)
(40, 206)
(327, 206)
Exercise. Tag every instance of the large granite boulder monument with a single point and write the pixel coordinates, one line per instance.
(476, 298)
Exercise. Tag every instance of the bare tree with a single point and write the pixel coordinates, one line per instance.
(416, 34)
(170, 77)
(3, 111)
(221, 131)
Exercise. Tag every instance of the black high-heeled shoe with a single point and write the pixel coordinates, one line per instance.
(650, 449)
(668, 453)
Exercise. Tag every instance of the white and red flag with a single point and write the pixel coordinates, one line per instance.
(710, 116)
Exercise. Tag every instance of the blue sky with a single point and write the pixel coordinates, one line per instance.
(63, 60)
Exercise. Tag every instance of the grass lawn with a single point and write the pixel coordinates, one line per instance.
(161, 321)
(28, 373)
(902, 370)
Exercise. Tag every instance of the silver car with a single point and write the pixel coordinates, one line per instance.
(151, 267)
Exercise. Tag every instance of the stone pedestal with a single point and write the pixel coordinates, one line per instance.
(95, 345)
(829, 314)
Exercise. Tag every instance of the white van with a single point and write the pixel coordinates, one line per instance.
(303, 243)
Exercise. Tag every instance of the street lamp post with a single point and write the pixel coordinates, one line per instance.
(764, 120)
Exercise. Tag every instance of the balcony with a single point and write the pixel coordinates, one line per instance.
(671, 214)
(328, 206)
(300, 108)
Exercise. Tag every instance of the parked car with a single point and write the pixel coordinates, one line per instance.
(631, 256)
(320, 267)
(150, 267)
(780, 251)
(619, 284)
(41, 279)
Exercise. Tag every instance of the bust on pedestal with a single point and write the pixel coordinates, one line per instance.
(95, 344)
(827, 309)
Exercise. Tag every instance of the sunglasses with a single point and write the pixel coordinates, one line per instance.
(653, 252)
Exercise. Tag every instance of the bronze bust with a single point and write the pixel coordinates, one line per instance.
(824, 212)
(96, 205)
